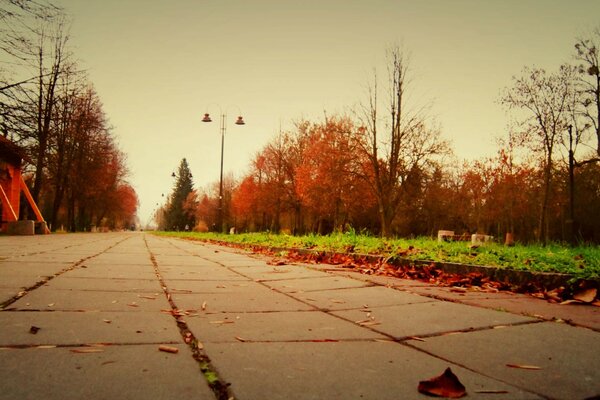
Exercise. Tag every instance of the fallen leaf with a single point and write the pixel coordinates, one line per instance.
(241, 339)
(567, 302)
(51, 305)
(108, 321)
(221, 287)
(521, 366)
(369, 323)
(34, 329)
(221, 322)
(199, 345)
(445, 385)
(87, 350)
(46, 346)
(337, 301)
(491, 391)
(147, 297)
(203, 306)
(586, 295)
(168, 349)
(181, 290)
(133, 304)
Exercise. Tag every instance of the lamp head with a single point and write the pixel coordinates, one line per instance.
(240, 121)
(206, 118)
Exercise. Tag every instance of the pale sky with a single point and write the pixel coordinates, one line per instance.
(159, 65)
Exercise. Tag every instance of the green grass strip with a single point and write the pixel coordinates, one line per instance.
(580, 262)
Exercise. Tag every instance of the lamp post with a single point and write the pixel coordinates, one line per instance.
(223, 128)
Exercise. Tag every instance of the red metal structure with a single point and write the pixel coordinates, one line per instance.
(12, 184)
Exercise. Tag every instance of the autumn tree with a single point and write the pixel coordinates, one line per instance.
(397, 141)
(36, 41)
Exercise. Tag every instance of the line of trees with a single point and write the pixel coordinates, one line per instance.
(387, 169)
(48, 106)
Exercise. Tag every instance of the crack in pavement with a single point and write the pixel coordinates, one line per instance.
(219, 387)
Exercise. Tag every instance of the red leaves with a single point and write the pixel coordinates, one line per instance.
(445, 385)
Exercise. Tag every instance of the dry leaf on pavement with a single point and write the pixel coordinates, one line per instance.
(445, 385)
(521, 366)
(168, 349)
(87, 350)
(586, 295)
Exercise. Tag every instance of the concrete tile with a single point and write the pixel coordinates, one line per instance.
(338, 370)
(216, 287)
(113, 271)
(118, 372)
(432, 318)
(358, 298)
(264, 300)
(276, 326)
(320, 283)
(79, 328)
(569, 357)
(49, 299)
(105, 284)
(200, 273)
(271, 272)
(583, 315)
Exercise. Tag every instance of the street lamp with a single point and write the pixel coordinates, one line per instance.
(223, 128)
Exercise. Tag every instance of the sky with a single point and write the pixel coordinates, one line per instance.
(159, 65)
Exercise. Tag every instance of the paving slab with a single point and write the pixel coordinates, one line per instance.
(272, 273)
(16, 267)
(80, 328)
(455, 294)
(339, 370)
(200, 273)
(48, 299)
(113, 271)
(117, 372)
(50, 257)
(568, 357)
(181, 260)
(276, 326)
(124, 260)
(579, 314)
(217, 287)
(314, 284)
(431, 318)
(259, 301)
(67, 282)
(359, 298)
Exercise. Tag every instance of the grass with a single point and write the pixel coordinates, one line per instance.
(580, 261)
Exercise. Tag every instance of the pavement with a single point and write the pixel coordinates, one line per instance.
(84, 316)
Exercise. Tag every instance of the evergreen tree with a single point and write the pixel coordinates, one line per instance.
(176, 218)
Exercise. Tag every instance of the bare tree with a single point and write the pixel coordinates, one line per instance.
(542, 101)
(588, 87)
(397, 144)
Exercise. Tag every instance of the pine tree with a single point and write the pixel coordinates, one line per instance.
(176, 218)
